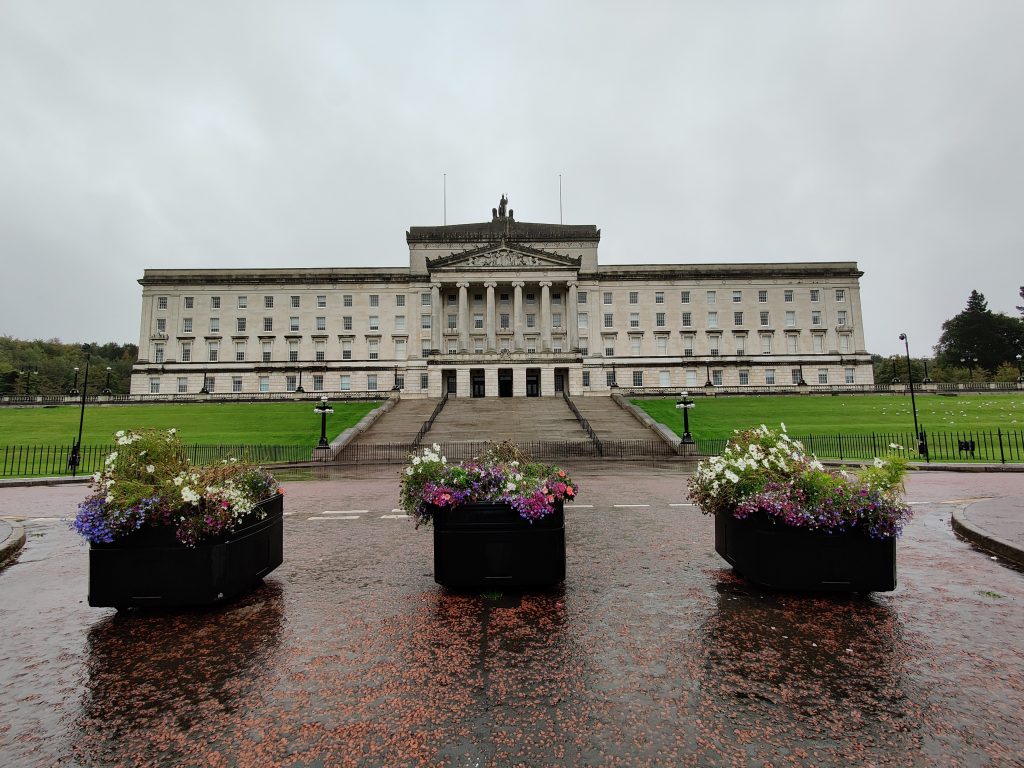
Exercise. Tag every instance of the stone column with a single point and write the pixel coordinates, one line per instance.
(463, 317)
(517, 318)
(573, 336)
(435, 321)
(490, 319)
(545, 317)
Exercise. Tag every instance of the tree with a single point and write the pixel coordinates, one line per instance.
(53, 366)
(1021, 308)
(979, 334)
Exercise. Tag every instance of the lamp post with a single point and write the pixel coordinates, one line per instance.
(802, 382)
(395, 387)
(615, 380)
(299, 388)
(895, 376)
(204, 390)
(684, 403)
(76, 449)
(913, 404)
(925, 380)
(74, 387)
(1020, 371)
(707, 371)
(970, 361)
(323, 409)
(106, 387)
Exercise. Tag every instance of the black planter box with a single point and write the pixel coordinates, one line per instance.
(483, 544)
(151, 568)
(784, 557)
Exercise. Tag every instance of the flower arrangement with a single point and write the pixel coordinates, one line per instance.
(502, 474)
(148, 481)
(764, 470)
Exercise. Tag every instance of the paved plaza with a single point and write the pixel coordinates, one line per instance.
(653, 652)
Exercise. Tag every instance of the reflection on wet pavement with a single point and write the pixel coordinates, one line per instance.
(653, 653)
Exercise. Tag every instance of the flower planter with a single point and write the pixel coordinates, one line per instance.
(484, 544)
(151, 568)
(787, 557)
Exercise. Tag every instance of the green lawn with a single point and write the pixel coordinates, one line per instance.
(717, 417)
(197, 423)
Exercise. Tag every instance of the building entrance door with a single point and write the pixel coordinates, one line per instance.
(560, 377)
(476, 383)
(533, 382)
(504, 382)
(448, 383)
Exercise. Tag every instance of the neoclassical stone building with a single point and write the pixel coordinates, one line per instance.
(501, 309)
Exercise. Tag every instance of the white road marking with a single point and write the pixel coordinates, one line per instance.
(582, 506)
(681, 505)
(346, 512)
(397, 510)
(630, 505)
(394, 517)
(40, 519)
(335, 517)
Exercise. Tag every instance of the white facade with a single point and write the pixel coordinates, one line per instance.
(501, 308)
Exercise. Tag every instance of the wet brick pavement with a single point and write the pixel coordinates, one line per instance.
(653, 653)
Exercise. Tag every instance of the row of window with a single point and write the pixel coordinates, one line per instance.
(582, 297)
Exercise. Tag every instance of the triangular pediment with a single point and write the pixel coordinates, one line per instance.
(504, 256)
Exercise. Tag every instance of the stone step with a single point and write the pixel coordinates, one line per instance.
(521, 419)
(400, 424)
(609, 421)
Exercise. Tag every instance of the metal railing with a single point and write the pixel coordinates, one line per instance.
(430, 421)
(583, 422)
(398, 453)
(822, 389)
(195, 397)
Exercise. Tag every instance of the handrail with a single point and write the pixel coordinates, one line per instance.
(430, 421)
(584, 423)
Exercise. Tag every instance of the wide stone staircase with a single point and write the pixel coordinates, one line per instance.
(545, 427)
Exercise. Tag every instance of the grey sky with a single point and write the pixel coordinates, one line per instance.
(246, 134)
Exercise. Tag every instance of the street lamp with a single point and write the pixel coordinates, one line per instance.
(106, 388)
(801, 383)
(921, 446)
(323, 409)
(74, 387)
(684, 403)
(970, 361)
(707, 370)
(895, 377)
(925, 380)
(1020, 371)
(76, 449)
(615, 381)
(299, 388)
(204, 390)
(28, 380)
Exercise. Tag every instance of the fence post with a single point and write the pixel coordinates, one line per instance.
(1002, 457)
(840, 446)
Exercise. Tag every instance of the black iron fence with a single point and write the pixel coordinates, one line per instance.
(52, 460)
(987, 447)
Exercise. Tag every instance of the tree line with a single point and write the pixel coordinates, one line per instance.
(48, 367)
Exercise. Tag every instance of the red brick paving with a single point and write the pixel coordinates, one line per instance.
(653, 653)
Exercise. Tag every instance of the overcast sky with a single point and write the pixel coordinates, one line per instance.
(306, 134)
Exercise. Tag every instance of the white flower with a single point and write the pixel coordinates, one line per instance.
(172, 431)
(896, 446)
(110, 498)
(415, 460)
(783, 425)
(119, 433)
(878, 462)
(408, 470)
(150, 468)
(436, 447)
(733, 477)
(444, 460)
(510, 486)
(179, 480)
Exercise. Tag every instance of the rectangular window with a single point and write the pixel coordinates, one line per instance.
(186, 352)
(452, 322)
(267, 348)
(400, 347)
(531, 298)
(215, 302)
(374, 323)
(714, 345)
(638, 378)
(634, 297)
(787, 296)
(268, 324)
(424, 299)
(186, 325)
(240, 325)
(840, 295)
(691, 378)
(236, 383)
(737, 297)
(425, 349)
(503, 298)
(607, 297)
(737, 318)
(659, 319)
(762, 297)
(182, 385)
(346, 349)
(556, 298)
(400, 300)
(816, 317)
(214, 325)
(189, 302)
(634, 346)
(664, 379)
(214, 352)
(844, 343)
(609, 347)
(161, 302)
(478, 321)
(478, 345)
(268, 302)
(556, 319)
(659, 297)
(741, 344)
(712, 319)
(424, 381)
(531, 321)
(321, 323)
(321, 301)
(346, 300)
(399, 322)
(794, 375)
(373, 345)
(346, 322)
(585, 347)
(634, 319)
(769, 376)
(765, 317)
(318, 382)
(506, 345)
(815, 294)
(161, 325)
(293, 324)
(712, 297)
(823, 375)
(290, 383)
(790, 318)
(766, 344)
(503, 320)
(851, 376)
(531, 344)
(841, 317)
(586, 378)
(581, 297)
(582, 320)
(687, 319)
(791, 342)
(345, 382)
(425, 322)
(264, 383)
(320, 351)
(607, 319)
(293, 351)
(239, 351)
(295, 302)
(243, 302)
(374, 300)
(684, 297)
(716, 378)
(399, 381)
(744, 378)
(819, 342)
(158, 353)
(154, 385)
(688, 345)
